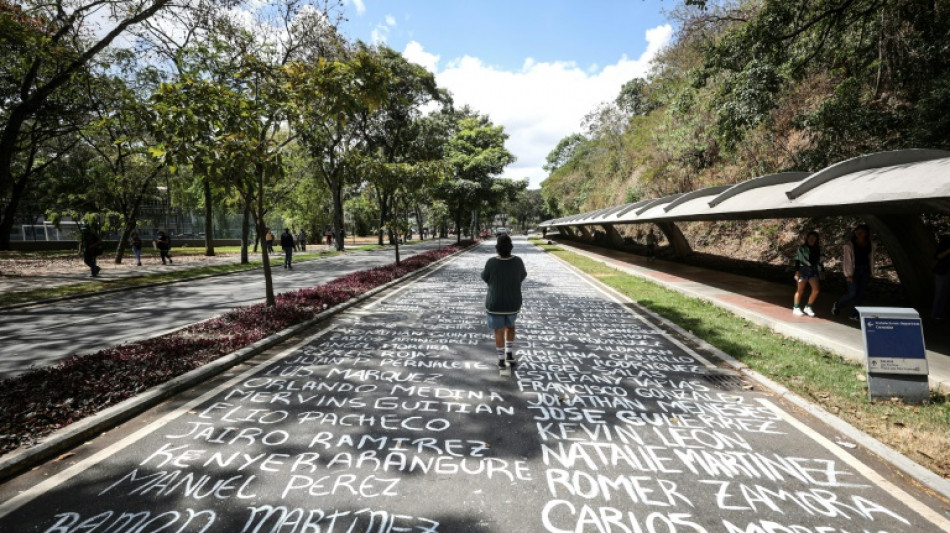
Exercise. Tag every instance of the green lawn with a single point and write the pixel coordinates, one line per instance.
(922, 432)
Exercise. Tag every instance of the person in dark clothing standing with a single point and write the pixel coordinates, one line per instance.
(90, 247)
(504, 274)
(287, 243)
(856, 261)
(651, 246)
(941, 278)
(808, 260)
(136, 243)
(164, 244)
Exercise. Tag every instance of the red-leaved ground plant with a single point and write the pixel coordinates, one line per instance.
(43, 400)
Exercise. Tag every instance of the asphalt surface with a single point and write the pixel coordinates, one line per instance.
(394, 419)
(43, 334)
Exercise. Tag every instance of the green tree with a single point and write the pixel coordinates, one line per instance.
(476, 153)
(391, 131)
(119, 134)
(330, 95)
(45, 46)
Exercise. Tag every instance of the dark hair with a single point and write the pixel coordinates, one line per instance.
(817, 237)
(504, 246)
(854, 233)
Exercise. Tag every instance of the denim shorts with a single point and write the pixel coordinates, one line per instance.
(806, 273)
(501, 321)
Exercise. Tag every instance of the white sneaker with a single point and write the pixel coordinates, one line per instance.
(809, 311)
(797, 311)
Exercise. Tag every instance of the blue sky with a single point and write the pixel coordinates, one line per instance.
(536, 67)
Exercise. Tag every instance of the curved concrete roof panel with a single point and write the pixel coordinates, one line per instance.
(897, 184)
(865, 162)
(659, 201)
(756, 183)
(903, 181)
(700, 193)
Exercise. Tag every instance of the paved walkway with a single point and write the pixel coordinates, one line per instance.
(394, 419)
(769, 304)
(42, 334)
(75, 271)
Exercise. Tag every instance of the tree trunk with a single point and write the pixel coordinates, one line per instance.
(127, 230)
(398, 262)
(246, 234)
(261, 231)
(458, 225)
(209, 220)
(9, 214)
(383, 212)
(338, 216)
(419, 222)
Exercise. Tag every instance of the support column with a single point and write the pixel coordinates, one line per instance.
(681, 247)
(613, 236)
(585, 233)
(567, 231)
(911, 248)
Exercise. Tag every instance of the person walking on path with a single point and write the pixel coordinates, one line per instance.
(941, 278)
(90, 248)
(287, 243)
(164, 244)
(136, 243)
(504, 274)
(856, 261)
(269, 239)
(651, 246)
(329, 237)
(302, 240)
(808, 260)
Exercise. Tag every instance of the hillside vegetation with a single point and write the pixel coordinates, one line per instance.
(753, 87)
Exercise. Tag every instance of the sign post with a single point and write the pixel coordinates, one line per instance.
(895, 355)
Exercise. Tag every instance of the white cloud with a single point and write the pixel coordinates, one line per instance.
(416, 54)
(380, 33)
(360, 6)
(542, 102)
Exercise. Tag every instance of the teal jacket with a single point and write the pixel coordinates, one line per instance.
(504, 277)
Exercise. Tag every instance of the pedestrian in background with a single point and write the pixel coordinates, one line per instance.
(302, 240)
(941, 278)
(329, 237)
(651, 246)
(504, 274)
(287, 244)
(269, 240)
(857, 258)
(164, 244)
(808, 266)
(90, 248)
(136, 243)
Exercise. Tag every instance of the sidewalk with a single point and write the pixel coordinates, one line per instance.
(768, 304)
(41, 334)
(23, 275)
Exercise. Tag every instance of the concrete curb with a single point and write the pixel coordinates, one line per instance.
(72, 435)
(142, 286)
(920, 474)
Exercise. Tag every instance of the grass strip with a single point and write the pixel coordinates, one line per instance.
(921, 432)
(91, 287)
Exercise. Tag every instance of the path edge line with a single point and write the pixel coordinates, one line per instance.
(924, 477)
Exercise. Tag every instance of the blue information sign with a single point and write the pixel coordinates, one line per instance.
(894, 344)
